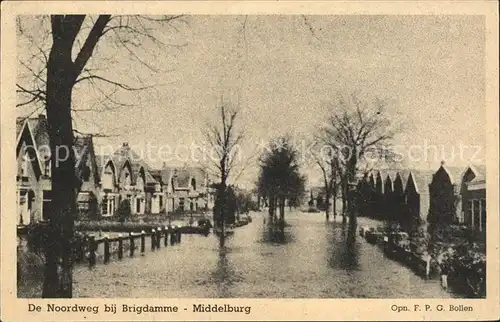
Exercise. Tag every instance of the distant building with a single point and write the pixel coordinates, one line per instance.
(473, 190)
(185, 189)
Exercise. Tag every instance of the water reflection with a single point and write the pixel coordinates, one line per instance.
(343, 250)
(273, 234)
(309, 260)
(224, 276)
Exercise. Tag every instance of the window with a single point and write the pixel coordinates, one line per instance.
(104, 206)
(24, 167)
(483, 215)
(46, 207)
(160, 201)
(138, 206)
(193, 184)
(127, 181)
(468, 216)
(108, 180)
(86, 173)
(140, 183)
(476, 213)
(47, 169)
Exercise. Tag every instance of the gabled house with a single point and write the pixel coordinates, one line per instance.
(473, 202)
(109, 191)
(126, 176)
(30, 168)
(388, 209)
(379, 194)
(185, 188)
(398, 194)
(34, 185)
(417, 192)
(88, 176)
(158, 194)
(444, 195)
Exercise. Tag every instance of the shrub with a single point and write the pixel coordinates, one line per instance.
(37, 238)
(30, 267)
(124, 211)
(468, 263)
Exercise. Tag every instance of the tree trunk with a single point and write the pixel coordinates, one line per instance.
(327, 206)
(60, 81)
(282, 214)
(351, 176)
(271, 209)
(344, 200)
(334, 194)
(222, 236)
(273, 205)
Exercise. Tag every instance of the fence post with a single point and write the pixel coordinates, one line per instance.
(165, 231)
(106, 249)
(81, 250)
(132, 244)
(143, 241)
(179, 233)
(92, 250)
(172, 236)
(158, 238)
(153, 243)
(120, 246)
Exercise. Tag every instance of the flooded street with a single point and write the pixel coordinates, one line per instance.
(315, 261)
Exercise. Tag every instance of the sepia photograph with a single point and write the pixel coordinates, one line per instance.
(249, 156)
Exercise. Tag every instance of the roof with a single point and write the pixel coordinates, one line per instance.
(125, 154)
(454, 173)
(84, 149)
(388, 182)
(38, 128)
(182, 176)
(420, 180)
(379, 183)
(85, 196)
(156, 174)
(479, 171)
(399, 179)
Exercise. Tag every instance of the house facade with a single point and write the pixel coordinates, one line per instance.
(473, 191)
(33, 180)
(126, 176)
(450, 195)
(184, 189)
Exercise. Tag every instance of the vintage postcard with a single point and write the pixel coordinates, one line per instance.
(253, 160)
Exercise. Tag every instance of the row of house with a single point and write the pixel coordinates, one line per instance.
(449, 195)
(105, 180)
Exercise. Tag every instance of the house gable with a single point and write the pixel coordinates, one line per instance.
(26, 143)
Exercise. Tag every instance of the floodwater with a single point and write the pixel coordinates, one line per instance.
(316, 260)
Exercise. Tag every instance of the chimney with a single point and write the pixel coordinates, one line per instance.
(125, 144)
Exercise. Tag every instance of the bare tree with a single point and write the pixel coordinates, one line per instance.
(52, 88)
(223, 137)
(327, 161)
(360, 132)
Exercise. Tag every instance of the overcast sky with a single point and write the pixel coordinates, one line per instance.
(430, 69)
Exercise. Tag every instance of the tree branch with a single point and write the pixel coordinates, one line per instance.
(90, 43)
(122, 86)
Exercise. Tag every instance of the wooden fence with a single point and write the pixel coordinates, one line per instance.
(88, 248)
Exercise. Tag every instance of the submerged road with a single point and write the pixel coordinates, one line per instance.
(314, 261)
